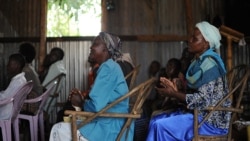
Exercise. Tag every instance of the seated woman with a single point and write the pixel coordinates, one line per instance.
(206, 75)
(109, 85)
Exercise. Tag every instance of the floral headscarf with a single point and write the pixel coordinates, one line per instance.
(113, 44)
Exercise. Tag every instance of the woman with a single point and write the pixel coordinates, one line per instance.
(205, 76)
(109, 85)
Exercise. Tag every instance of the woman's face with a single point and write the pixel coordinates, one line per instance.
(197, 44)
(98, 51)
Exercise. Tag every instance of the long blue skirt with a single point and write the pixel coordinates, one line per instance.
(178, 126)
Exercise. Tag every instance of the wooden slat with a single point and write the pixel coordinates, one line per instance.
(43, 28)
(139, 38)
(189, 16)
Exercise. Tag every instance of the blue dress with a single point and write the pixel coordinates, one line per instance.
(109, 85)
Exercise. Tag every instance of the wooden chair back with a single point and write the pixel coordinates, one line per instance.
(141, 91)
(238, 78)
(132, 76)
(235, 74)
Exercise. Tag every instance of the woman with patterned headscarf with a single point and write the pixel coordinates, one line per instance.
(108, 86)
(205, 76)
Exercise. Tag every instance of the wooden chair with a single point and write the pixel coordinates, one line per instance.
(235, 74)
(238, 77)
(141, 91)
(132, 76)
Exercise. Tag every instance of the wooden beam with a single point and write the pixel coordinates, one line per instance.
(231, 35)
(189, 17)
(160, 38)
(227, 31)
(43, 27)
(139, 38)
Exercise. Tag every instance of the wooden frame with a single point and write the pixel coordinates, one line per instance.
(238, 78)
(141, 91)
(133, 74)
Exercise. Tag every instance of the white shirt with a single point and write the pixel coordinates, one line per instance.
(15, 83)
(54, 70)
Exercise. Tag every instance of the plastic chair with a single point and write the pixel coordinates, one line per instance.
(238, 78)
(141, 91)
(18, 100)
(51, 103)
(36, 120)
(57, 80)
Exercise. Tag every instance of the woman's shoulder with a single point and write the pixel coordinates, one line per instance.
(110, 64)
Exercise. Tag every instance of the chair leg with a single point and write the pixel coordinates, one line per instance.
(41, 126)
(4, 135)
(35, 128)
(32, 129)
(15, 126)
(6, 132)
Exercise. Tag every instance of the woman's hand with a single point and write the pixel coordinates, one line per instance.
(76, 97)
(169, 87)
(74, 91)
(167, 83)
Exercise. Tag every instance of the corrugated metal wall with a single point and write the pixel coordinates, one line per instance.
(76, 53)
(21, 18)
(152, 17)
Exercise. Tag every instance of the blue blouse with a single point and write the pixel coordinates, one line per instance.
(108, 86)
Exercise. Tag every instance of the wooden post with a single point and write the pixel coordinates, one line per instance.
(189, 17)
(229, 53)
(43, 31)
(231, 35)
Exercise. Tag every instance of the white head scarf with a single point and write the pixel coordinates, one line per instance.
(211, 35)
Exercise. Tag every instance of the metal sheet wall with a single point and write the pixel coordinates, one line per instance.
(20, 18)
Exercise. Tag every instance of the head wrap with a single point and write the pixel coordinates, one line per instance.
(211, 35)
(113, 44)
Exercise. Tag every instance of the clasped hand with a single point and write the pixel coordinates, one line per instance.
(169, 87)
(76, 97)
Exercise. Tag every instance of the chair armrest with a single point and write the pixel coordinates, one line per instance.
(89, 114)
(211, 109)
(6, 101)
(229, 109)
(33, 100)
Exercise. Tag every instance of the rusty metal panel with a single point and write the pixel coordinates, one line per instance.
(21, 18)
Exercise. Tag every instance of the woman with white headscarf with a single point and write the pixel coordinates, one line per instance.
(205, 76)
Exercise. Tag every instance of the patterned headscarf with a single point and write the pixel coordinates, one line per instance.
(113, 44)
(211, 35)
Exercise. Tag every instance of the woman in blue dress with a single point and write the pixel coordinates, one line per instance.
(206, 76)
(108, 86)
